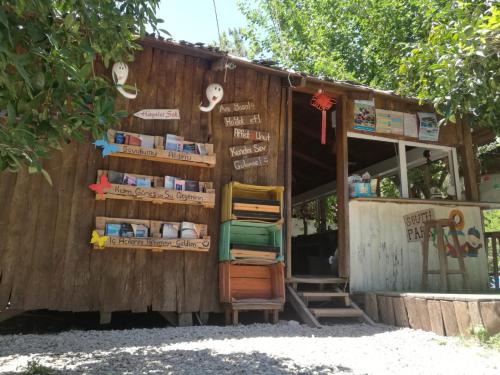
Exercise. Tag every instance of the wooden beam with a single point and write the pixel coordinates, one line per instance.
(288, 183)
(344, 116)
(469, 163)
(313, 161)
(310, 132)
(301, 309)
(322, 190)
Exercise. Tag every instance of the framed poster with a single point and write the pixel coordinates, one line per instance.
(428, 129)
(389, 122)
(364, 115)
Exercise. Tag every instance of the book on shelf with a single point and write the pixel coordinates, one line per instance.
(180, 184)
(129, 180)
(144, 182)
(147, 141)
(170, 230)
(192, 186)
(115, 177)
(169, 182)
(189, 148)
(132, 140)
(174, 142)
(189, 230)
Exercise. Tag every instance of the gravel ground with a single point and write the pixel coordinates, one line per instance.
(286, 348)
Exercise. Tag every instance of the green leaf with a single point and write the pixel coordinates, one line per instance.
(11, 114)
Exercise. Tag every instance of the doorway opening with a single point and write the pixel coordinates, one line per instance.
(314, 201)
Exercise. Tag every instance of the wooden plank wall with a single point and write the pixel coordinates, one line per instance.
(381, 258)
(45, 258)
(446, 315)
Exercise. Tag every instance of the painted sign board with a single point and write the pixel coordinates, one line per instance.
(158, 195)
(237, 107)
(415, 222)
(159, 243)
(254, 135)
(158, 114)
(257, 161)
(231, 121)
(245, 150)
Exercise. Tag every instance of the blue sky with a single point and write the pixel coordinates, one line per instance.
(194, 20)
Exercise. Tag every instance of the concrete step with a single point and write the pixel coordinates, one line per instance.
(344, 312)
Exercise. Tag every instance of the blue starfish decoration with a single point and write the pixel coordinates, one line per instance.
(107, 148)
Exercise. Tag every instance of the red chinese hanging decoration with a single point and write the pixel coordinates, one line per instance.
(323, 102)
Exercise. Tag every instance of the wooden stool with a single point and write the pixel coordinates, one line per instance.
(268, 307)
(443, 271)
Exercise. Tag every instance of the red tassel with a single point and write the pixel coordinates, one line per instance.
(323, 127)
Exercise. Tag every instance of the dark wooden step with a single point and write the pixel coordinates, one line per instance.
(324, 296)
(316, 280)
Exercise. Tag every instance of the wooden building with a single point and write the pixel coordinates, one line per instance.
(46, 261)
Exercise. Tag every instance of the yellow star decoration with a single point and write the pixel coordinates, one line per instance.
(98, 240)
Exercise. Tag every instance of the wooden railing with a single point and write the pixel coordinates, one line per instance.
(495, 246)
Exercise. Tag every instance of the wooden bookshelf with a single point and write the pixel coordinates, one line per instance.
(159, 154)
(157, 195)
(164, 156)
(155, 242)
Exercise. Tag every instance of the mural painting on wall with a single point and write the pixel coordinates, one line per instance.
(469, 237)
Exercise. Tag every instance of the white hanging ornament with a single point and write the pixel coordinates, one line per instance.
(214, 92)
(120, 75)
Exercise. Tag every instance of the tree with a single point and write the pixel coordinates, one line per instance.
(49, 88)
(458, 64)
(233, 41)
(445, 51)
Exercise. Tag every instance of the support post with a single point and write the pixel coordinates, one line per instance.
(288, 185)
(104, 317)
(177, 319)
(344, 112)
(468, 163)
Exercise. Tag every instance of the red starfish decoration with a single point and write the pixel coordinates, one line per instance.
(101, 186)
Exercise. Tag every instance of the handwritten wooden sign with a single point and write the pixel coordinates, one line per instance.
(245, 150)
(415, 223)
(158, 195)
(158, 114)
(237, 107)
(257, 161)
(159, 244)
(158, 154)
(254, 135)
(242, 120)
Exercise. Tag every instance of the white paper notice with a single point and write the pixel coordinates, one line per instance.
(410, 124)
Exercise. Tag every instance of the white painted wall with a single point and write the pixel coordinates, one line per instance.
(381, 259)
